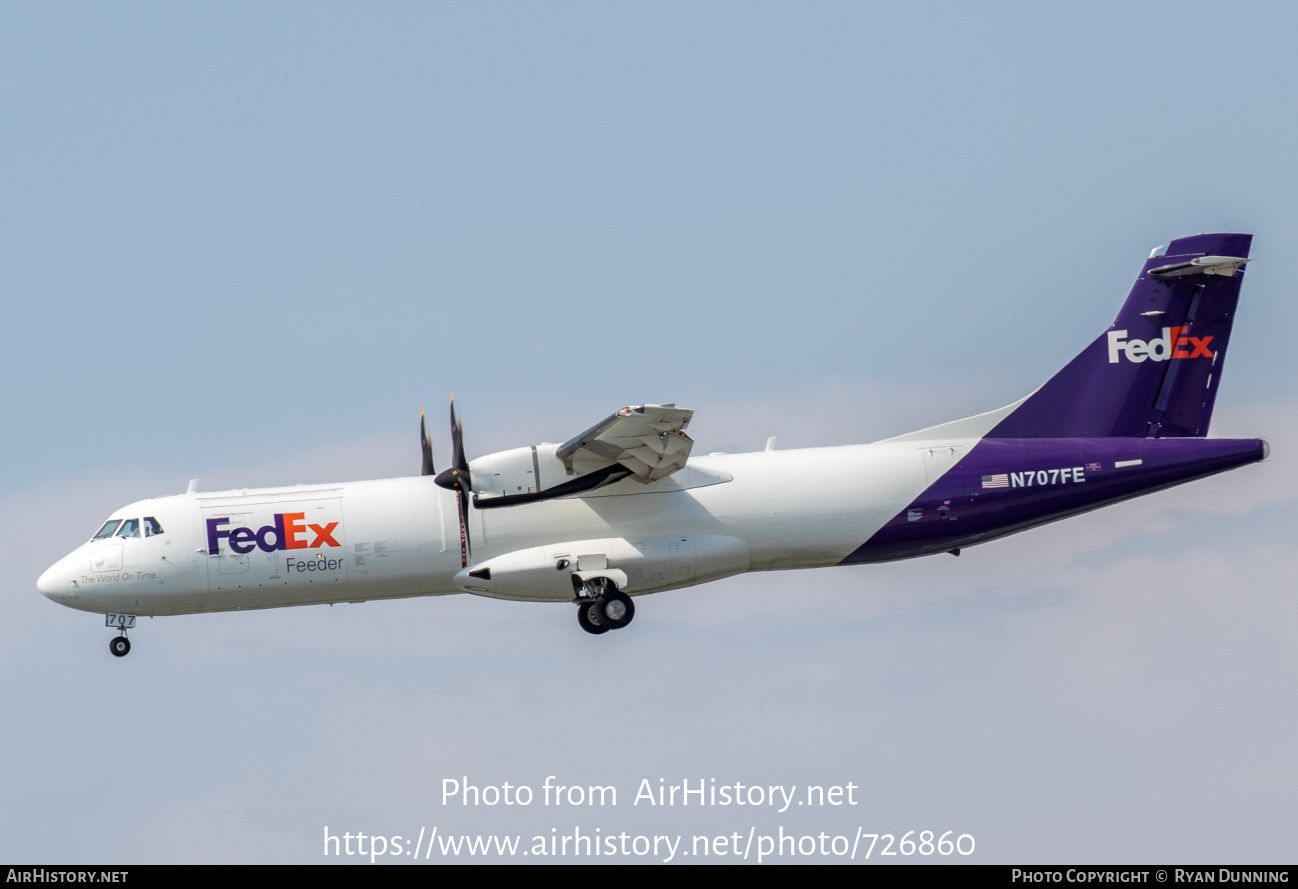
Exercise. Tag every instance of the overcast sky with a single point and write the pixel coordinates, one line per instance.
(246, 242)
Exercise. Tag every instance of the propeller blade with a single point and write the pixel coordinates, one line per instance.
(458, 459)
(467, 555)
(426, 447)
(457, 479)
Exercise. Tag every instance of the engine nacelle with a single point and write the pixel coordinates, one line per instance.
(555, 572)
(518, 471)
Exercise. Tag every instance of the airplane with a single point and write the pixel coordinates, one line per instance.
(624, 509)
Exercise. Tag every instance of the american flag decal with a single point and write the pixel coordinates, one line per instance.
(1000, 480)
(1092, 467)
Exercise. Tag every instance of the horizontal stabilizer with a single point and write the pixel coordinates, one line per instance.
(1225, 266)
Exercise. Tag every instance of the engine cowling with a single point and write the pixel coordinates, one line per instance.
(555, 572)
(518, 471)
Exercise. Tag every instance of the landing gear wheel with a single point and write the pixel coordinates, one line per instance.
(120, 646)
(614, 609)
(587, 619)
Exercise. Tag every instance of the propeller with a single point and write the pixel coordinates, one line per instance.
(426, 447)
(456, 478)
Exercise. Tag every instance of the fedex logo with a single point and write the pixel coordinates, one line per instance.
(1173, 344)
(290, 531)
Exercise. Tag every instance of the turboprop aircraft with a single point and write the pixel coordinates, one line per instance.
(624, 509)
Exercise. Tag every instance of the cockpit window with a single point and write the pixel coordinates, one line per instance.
(130, 528)
(107, 531)
(151, 527)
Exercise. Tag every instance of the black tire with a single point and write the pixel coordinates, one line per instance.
(614, 609)
(120, 646)
(587, 620)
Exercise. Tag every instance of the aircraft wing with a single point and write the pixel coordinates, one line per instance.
(649, 440)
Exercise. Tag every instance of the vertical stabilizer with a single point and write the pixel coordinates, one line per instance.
(1154, 372)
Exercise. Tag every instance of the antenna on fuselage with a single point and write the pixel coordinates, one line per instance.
(193, 486)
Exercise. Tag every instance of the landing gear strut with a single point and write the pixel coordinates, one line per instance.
(604, 608)
(120, 646)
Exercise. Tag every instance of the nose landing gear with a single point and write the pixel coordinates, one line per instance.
(120, 646)
(604, 607)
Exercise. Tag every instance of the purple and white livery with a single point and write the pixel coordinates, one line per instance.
(623, 509)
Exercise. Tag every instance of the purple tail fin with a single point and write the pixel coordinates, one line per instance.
(1154, 373)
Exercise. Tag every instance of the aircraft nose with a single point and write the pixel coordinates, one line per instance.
(60, 584)
(57, 582)
(51, 581)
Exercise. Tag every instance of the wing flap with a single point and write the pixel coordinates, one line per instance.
(647, 439)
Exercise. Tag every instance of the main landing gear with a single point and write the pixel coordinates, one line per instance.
(603, 607)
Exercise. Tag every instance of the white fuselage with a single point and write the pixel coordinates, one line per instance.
(720, 515)
(623, 509)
